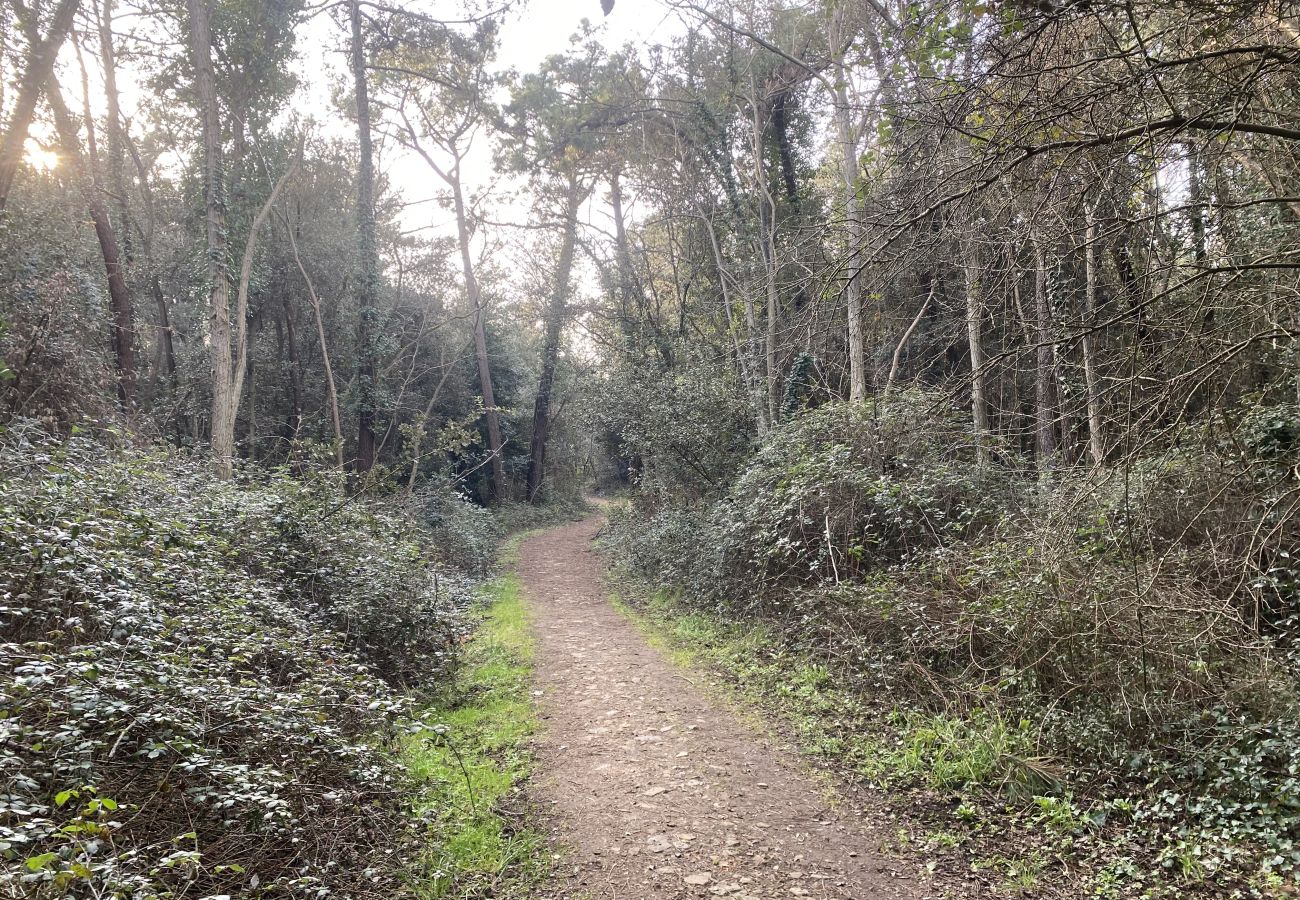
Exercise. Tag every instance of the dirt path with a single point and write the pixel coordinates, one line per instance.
(658, 791)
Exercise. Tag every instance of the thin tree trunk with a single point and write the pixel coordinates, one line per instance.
(746, 368)
(555, 314)
(330, 389)
(1044, 371)
(848, 141)
(368, 253)
(896, 361)
(115, 126)
(119, 296)
(164, 327)
(295, 366)
(1096, 435)
(40, 66)
(222, 425)
(624, 259)
(417, 440)
(491, 415)
(974, 340)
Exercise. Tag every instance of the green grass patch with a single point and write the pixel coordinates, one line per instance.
(472, 759)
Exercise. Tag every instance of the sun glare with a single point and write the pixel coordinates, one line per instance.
(41, 159)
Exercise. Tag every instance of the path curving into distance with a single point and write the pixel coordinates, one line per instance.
(657, 790)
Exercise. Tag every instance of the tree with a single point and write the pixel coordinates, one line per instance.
(42, 53)
(439, 84)
(368, 276)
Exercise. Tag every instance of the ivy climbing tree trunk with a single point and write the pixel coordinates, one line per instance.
(555, 313)
(218, 273)
(368, 255)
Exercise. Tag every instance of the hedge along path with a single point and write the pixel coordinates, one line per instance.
(656, 790)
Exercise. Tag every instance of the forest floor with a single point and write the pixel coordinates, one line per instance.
(656, 788)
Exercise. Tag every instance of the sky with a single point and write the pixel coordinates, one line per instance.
(530, 33)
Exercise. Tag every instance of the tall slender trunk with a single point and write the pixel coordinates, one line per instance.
(368, 255)
(119, 296)
(218, 273)
(330, 390)
(624, 258)
(746, 360)
(1096, 435)
(165, 339)
(295, 366)
(847, 137)
(555, 314)
(491, 416)
(114, 126)
(974, 340)
(40, 66)
(1044, 370)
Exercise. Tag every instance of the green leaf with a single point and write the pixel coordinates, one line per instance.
(36, 863)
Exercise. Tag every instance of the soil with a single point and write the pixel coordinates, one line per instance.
(654, 787)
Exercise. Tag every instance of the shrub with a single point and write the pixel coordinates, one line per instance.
(848, 489)
(194, 698)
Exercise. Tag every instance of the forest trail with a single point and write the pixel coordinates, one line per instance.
(655, 789)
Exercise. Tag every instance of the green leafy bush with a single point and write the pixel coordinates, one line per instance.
(197, 677)
(1144, 618)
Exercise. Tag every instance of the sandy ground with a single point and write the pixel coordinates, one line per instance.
(657, 790)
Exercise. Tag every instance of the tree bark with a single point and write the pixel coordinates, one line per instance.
(39, 68)
(896, 361)
(119, 296)
(555, 314)
(974, 340)
(222, 426)
(1096, 435)
(115, 126)
(368, 255)
(848, 140)
(1044, 370)
(330, 389)
(491, 415)
(295, 367)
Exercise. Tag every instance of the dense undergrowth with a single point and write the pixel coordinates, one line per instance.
(1117, 647)
(208, 685)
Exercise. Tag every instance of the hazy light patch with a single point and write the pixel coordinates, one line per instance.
(39, 158)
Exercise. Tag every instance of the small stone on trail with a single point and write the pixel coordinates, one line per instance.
(698, 879)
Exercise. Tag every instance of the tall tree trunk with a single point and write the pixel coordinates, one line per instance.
(368, 255)
(295, 366)
(491, 415)
(115, 126)
(975, 342)
(218, 273)
(330, 389)
(119, 296)
(847, 136)
(1044, 370)
(555, 314)
(40, 66)
(1096, 435)
(164, 327)
(746, 360)
(624, 258)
